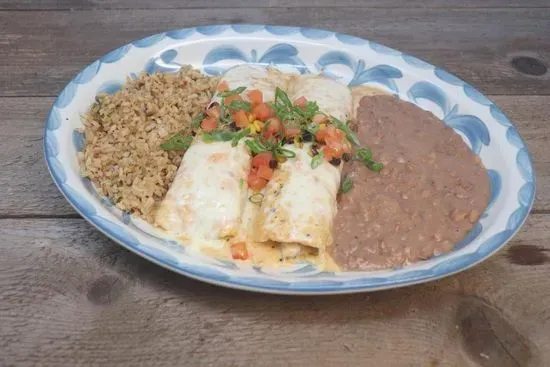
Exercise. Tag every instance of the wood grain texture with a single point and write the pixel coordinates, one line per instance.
(42, 50)
(178, 4)
(71, 296)
(29, 190)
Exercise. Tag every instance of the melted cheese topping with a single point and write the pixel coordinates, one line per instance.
(205, 202)
(255, 77)
(332, 97)
(299, 203)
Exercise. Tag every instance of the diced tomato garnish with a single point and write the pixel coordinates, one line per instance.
(273, 128)
(214, 112)
(256, 183)
(265, 172)
(209, 124)
(291, 132)
(330, 153)
(235, 97)
(241, 118)
(262, 112)
(222, 87)
(300, 102)
(321, 135)
(262, 159)
(337, 133)
(255, 96)
(239, 251)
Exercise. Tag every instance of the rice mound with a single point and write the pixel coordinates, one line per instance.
(123, 133)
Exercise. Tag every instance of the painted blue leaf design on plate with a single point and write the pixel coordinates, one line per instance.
(526, 193)
(496, 185)
(88, 73)
(416, 62)
(204, 272)
(336, 58)
(351, 40)
(116, 55)
(452, 263)
(82, 204)
(180, 34)
(516, 218)
(54, 119)
(472, 127)
(384, 49)
(472, 235)
(66, 95)
(382, 74)
(494, 243)
(264, 282)
(281, 30)
(499, 116)
(57, 170)
(117, 231)
(524, 164)
(148, 41)
(221, 53)
(79, 141)
(315, 34)
(110, 88)
(211, 30)
(306, 268)
(282, 53)
(169, 55)
(447, 77)
(513, 137)
(52, 148)
(431, 92)
(163, 63)
(247, 28)
(476, 96)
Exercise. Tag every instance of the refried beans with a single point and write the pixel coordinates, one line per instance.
(429, 195)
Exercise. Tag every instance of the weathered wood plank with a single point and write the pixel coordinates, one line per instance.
(177, 4)
(42, 51)
(28, 189)
(70, 296)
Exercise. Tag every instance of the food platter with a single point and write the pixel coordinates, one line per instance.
(347, 59)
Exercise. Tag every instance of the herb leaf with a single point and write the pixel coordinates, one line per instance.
(364, 155)
(196, 122)
(232, 92)
(238, 136)
(317, 160)
(177, 142)
(280, 95)
(255, 146)
(376, 166)
(347, 185)
(350, 135)
(218, 135)
(240, 105)
(285, 153)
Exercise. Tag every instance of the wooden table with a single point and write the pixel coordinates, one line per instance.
(69, 296)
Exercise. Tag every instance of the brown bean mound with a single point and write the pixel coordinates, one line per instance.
(124, 131)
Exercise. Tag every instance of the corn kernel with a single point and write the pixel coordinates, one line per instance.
(322, 126)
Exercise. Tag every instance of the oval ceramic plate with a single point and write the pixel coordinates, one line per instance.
(351, 60)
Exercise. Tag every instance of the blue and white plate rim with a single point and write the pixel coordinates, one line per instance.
(370, 282)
